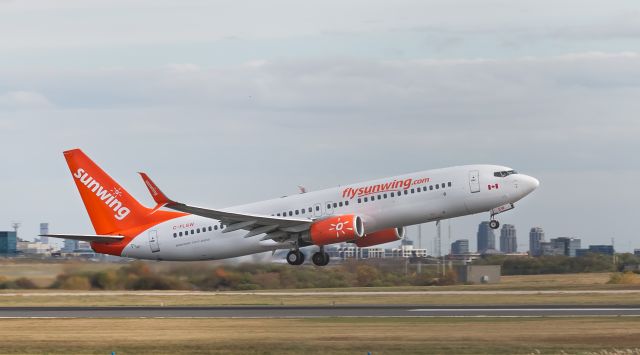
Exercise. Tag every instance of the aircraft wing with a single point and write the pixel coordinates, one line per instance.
(277, 228)
(87, 237)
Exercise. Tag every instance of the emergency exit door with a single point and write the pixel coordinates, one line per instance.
(474, 181)
(153, 241)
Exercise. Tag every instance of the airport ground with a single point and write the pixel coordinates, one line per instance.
(334, 335)
(322, 336)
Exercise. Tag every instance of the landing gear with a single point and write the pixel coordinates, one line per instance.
(320, 258)
(493, 224)
(295, 257)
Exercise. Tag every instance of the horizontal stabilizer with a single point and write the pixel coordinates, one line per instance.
(87, 237)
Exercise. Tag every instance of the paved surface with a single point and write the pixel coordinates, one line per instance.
(315, 312)
(315, 293)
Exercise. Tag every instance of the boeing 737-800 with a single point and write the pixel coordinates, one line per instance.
(366, 213)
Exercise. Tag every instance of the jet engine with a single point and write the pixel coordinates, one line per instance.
(338, 229)
(381, 237)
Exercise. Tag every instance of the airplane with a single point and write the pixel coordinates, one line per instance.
(366, 213)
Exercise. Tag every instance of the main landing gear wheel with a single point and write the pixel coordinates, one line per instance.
(494, 224)
(295, 257)
(320, 259)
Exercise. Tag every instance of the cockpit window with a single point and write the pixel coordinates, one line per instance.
(504, 173)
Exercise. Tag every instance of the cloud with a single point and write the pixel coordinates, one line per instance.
(23, 100)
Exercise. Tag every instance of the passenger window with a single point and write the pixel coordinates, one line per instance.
(413, 191)
(198, 230)
(296, 212)
(449, 183)
(290, 213)
(437, 186)
(215, 227)
(317, 208)
(359, 200)
(175, 235)
(392, 195)
(210, 228)
(335, 205)
(385, 195)
(310, 209)
(193, 232)
(366, 199)
(406, 192)
(340, 204)
(346, 203)
(443, 185)
(328, 206)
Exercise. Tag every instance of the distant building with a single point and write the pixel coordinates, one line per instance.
(70, 246)
(8, 243)
(486, 238)
(550, 249)
(44, 229)
(460, 246)
(636, 252)
(567, 246)
(536, 236)
(478, 274)
(508, 242)
(33, 248)
(596, 249)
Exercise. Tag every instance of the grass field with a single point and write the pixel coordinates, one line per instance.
(319, 336)
(45, 298)
(564, 282)
(45, 273)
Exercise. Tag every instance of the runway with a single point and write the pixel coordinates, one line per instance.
(320, 311)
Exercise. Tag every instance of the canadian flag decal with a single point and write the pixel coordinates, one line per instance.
(491, 187)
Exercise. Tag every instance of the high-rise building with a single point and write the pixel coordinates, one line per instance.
(486, 238)
(536, 236)
(567, 245)
(508, 241)
(460, 246)
(44, 229)
(8, 243)
(636, 252)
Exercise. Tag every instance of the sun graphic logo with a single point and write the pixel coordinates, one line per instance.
(116, 192)
(340, 227)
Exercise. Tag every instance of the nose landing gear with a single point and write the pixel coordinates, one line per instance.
(493, 224)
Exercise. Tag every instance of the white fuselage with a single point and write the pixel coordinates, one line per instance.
(397, 201)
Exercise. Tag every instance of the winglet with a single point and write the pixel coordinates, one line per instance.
(157, 194)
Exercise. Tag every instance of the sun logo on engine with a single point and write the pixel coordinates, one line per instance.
(340, 227)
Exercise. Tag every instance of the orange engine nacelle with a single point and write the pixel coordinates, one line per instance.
(339, 229)
(381, 237)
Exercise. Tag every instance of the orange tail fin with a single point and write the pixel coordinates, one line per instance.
(111, 208)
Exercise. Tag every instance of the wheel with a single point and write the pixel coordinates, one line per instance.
(326, 259)
(494, 224)
(318, 259)
(302, 257)
(295, 257)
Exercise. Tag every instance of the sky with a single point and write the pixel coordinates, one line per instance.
(230, 102)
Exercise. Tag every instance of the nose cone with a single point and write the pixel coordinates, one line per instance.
(529, 183)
